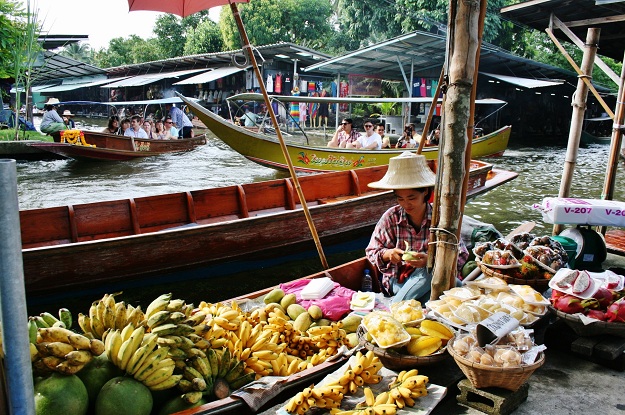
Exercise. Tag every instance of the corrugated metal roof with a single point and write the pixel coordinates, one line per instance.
(149, 78)
(210, 75)
(55, 67)
(578, 15)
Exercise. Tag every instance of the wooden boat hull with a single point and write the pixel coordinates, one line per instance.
(105, 242)
(266, 150)
(112, 147)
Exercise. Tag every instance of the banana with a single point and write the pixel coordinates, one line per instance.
(224, 363)
(113, 345)
(203, 367)
(213, 362)
(79, 341)
(78, 357)
(369, 398)
(141, 353)
(100, 308)
(168, 383)
(108, 319)
(158, 304)
(40, 322)
(177, 317)
(58, 349)
(127, 331)
(66, 317)
(97, 327)
(191, 373)
(192, 397)
(150, 362)
(49, 318)
(134, 315)
(159, 375)
(237, 371)
(165, 362)
(67, 368)
(242, 381)
(34, 353)
(385, 409)
(183, 329)
(96, 347)
(133, 344)
(195, 319)
(164, 329)
(120, 316)
(51, 361)
(32, 330)
(84, 322)
(55, 334)
(175, 305)
(158, 318)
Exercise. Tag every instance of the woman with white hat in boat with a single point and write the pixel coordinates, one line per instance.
(412, 181)
(51, 121)
(67, 119)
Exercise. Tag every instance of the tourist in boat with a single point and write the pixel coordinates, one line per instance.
(344, 134)
(67, 119)
(113, 125)
(434, 137)
(249, 118)
(370, 140)
(125, 125)
(386, 140)
(135, 129)
(406, 140)
(416, 135)
(184, 125)
(171, 133)
(51, 122)
(412, 182)
(159, 130)
(149, 130)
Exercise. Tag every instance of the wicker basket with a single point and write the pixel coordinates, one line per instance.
(483, 376)
(539, 284)
(394, 360)
(593, 329)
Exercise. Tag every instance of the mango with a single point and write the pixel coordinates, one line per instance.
(294, 311)
(351, 323)
(424, 345)
(352, 340)
(287, 300)
(274, 296)
(323, 322)
(315, 312)
(302, 322)
(436, 329)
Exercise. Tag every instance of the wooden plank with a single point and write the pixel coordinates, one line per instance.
(524, 227)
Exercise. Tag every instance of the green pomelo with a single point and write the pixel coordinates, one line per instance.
(61, 394)
(178, 404)
(96, 373)
(123, 395)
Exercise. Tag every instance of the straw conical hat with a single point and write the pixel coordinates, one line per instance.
(68, 113)
(406, 171)
(52, 101)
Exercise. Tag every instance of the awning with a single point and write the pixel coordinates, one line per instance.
(210, 75)
(524, 82)
(140, 80)
(171, 100)
(37, 88)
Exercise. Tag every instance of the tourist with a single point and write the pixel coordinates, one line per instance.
(370, 140)
(51, 122)
(125, 126)
(386, 140)
(67, 119)
(135, 130)
(113, 125)
(147, 126)
(171, 133)
(159, 129)
(344, 134)
(412, 182)
(406, 140)
(184, 125)
(249, 118)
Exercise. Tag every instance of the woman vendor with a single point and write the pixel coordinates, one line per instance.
(412, 182)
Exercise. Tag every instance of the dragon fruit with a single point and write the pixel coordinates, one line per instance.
(568, 304)
(597, 314)
(604, 298)
(616, 311)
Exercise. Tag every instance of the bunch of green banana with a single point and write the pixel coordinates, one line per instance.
(45, 319)
(139, 355)
(106, 314)
(216, 374)
(61, 350)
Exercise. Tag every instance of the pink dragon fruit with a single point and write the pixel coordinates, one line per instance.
(568, 304)
(616, 311)
(597, 314)
(604, 298)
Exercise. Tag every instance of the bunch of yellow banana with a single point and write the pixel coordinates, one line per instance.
(373, 405)
(138, 354)
(329, 338)
(327, 397)
(61, 350)
(223, 316)
(364, 370)
(45, 320)
(408, 386)
(106, 314)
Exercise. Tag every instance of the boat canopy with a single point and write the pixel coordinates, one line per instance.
(348, 100)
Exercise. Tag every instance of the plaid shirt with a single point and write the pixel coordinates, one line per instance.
(391, 231)
(348, 138)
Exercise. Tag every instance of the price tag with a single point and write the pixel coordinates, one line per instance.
(493, 328)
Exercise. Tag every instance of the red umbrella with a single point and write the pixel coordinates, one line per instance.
(185, 8)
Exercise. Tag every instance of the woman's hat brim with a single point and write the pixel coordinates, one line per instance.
(406, 171)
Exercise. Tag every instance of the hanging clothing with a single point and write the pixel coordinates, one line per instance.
(303, 86)
(295, 109)
(249, 79)
(269, 83)
(278, 84)
(303, 109)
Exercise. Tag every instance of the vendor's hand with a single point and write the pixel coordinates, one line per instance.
(420, 261)
(393, 255)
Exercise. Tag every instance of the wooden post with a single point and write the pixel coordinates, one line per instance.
(577, 117)
(461, 57)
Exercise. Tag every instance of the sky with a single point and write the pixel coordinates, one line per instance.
(101, 20)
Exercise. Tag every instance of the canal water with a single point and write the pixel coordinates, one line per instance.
(61, 182)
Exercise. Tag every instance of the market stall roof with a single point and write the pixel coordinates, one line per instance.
(211, 75)
(524, 82)
(283, 51)
(427, 52)
(53, 66)
(578, 15)
(146, 79)
(49, 41)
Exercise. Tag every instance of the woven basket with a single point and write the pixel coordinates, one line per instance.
(539, 284)
(394, 360)
(483, 376)
(593, 329)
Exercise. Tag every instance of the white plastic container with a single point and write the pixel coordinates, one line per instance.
(317, 288)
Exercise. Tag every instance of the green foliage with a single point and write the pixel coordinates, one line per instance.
(205, 38)
(128, 51)
(78, 51)
(267, 21)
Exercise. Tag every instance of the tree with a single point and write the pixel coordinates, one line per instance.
(9, 30)
(266, 21)
(78, 51)
(205, 38)
(128, 51)
(172, 31)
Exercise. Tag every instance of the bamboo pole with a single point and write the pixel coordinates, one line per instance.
(428, 120)
(577, 117)
(462, 53)
(247, 47)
